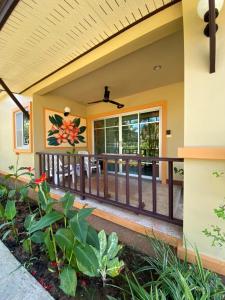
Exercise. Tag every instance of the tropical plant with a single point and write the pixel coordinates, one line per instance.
(216, 233)
(7, 215)
(15, 174)
(3, 192)
(175, 279)
(70, 241)
(108, 261)
(65, 131)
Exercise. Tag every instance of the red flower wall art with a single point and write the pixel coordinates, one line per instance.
(65, 131)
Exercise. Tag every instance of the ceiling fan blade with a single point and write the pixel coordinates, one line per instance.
(119, 105)
(96, 102)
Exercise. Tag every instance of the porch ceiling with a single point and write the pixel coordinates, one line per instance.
(41, 37)
(132, 73)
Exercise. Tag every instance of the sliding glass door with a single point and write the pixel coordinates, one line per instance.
(136, 133)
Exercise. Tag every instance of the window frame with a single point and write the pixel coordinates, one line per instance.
(158, 108)
(28, 149)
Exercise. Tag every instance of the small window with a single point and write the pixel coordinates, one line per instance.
(22, 134)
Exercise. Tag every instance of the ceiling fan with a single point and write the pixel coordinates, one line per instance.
(107, 100)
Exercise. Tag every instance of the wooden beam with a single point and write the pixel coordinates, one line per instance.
(212, 36)
(12, 96)
(6, 8)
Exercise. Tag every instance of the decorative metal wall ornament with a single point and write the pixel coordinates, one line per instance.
(208, 10)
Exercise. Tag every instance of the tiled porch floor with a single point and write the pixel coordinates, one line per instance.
(162, 192)
(150, 223)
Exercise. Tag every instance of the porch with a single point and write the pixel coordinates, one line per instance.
(119, 180)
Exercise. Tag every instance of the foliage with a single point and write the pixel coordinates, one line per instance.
(108, 262)
(215, 232)
(7, 215)
(3, 191)
(176, 279)
(65, 131)
(179, 171)
(69, 240)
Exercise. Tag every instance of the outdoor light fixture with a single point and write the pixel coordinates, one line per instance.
(67, 111)
(168, 133)
(208, 10)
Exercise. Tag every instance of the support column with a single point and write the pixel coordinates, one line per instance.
(204, 137)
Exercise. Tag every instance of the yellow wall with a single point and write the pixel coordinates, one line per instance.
(171, 94)
(7, 154)
(52, 102)
(204, 127)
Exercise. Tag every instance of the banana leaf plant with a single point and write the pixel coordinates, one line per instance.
(8, 216)
(70, 241)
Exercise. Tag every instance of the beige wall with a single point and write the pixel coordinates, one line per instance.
(52, 102)
(7, 154)
(204, 126)
(172, 94)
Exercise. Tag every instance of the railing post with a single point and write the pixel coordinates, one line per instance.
(170, 174)
(154, 193)
(40, 164)
(82, 178)
(140, 203)
(105, 168)
(127, 182)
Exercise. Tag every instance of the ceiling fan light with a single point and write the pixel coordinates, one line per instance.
(203, 7)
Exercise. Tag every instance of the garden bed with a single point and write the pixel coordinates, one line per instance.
(73, 261)
(46, 274)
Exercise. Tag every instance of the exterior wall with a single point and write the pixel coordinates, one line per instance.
(171, 94)
(204, 127)
(55, 103)
(7, 153)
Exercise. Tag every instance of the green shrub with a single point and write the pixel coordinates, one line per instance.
(175, 279)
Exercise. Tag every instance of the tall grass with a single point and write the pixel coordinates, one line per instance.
(175, 279)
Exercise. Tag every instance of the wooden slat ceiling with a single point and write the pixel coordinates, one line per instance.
(41, 36)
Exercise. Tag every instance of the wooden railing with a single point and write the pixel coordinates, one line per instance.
(129, 181)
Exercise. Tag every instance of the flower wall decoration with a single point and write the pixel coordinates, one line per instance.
(65, 131)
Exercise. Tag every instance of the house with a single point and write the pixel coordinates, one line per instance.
(154, 59)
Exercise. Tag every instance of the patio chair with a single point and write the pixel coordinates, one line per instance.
(93, 164)
(58, 172)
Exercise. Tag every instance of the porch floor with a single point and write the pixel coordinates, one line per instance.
(150, 223)
(162, 193)
(147, 221)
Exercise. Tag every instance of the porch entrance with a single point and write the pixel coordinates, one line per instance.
(130, 134)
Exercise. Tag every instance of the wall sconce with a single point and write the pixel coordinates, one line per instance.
(67, 111)
(208, 10)
(168, 133)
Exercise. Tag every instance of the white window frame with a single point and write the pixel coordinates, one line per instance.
(24, 147)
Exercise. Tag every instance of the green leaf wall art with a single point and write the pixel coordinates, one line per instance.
(64, 131)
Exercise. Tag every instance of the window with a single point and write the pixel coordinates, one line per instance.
(22, 132)
(136, 133)
(128, 134)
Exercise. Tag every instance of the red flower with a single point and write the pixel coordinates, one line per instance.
(17, 153)
(67, 126)
(83, 283)
(53, 264)
(44, 284)
(34, 273)
(41, 179)
(61, 137)
(73, 135)
(30, 169)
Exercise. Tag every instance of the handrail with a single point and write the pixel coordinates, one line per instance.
(116, 179)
